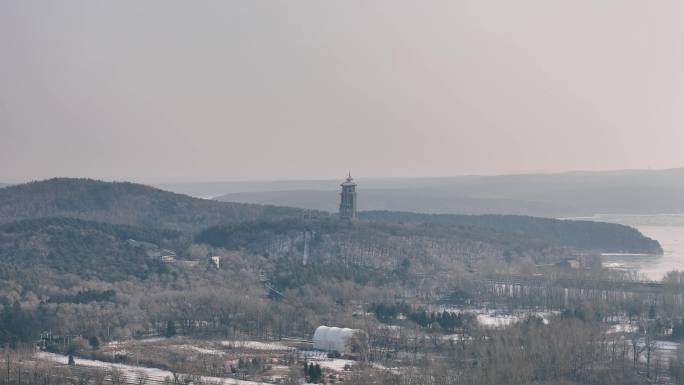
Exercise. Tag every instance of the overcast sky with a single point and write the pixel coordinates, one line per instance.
(310, 89)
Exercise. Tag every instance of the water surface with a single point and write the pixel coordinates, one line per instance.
(668, 229)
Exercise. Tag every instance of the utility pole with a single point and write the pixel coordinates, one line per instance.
(8, 365)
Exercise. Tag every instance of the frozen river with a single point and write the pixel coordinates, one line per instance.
(668, 229)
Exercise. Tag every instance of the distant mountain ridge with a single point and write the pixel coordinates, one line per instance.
(402, 200)
(546, 195)
(124, 203)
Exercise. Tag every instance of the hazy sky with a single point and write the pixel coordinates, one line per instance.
(309, 89)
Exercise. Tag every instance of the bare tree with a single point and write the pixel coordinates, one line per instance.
(117, 376)
(650, 346)
(141, 377)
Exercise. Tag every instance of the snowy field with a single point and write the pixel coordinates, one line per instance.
(133, 371)
(497, 318)
(255, 345)
(201, 350)
(116, 343)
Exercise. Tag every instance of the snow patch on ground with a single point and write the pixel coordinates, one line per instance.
(494, 321)
(115, 343)
(255, 345)
(313, 354)
(151, 340)
(334, 364)
(667, 345)
(132, 371)
(498, 318)
(623, 328)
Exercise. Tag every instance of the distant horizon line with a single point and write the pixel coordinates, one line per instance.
(182, 180)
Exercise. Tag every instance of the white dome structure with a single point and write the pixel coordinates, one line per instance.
(333, 339)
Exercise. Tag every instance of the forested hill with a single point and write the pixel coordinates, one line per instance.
(148, 207)
(580, 235)
(91, 250)
(125, 203)
(371, 249)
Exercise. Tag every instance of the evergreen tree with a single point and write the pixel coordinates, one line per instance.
(170, 329)
(16, 325)
(316, 374)
(94, 342)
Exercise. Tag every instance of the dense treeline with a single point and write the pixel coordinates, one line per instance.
(193, 301)
(288, 273)
(16, 324)
(449, 322)
(581, 235)
(531, 352)
(85, 249)
(84, 297)
(251, 235)
(381, 244)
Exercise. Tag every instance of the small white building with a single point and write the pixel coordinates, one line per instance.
(334, 339)
(167, 256)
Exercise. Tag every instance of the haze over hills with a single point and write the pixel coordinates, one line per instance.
(549, 195)
(147, 207)
(124, 203)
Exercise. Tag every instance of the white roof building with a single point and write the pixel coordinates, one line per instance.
(333, 339)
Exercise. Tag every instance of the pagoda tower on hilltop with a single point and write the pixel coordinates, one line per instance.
(348, 199)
